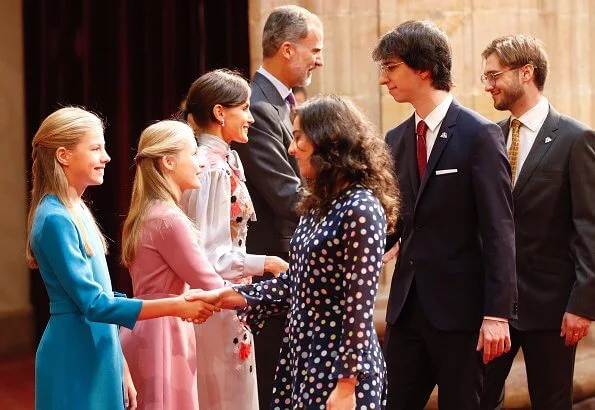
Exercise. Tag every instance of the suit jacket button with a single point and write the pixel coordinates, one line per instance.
(410, 262)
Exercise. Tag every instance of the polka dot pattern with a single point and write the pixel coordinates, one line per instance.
(329, 295)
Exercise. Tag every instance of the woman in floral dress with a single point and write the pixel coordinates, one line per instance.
(217, 108)
(331, 357)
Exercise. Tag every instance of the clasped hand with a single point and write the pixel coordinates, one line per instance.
(197, 308)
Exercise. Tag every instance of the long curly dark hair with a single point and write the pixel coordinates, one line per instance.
(347, 150)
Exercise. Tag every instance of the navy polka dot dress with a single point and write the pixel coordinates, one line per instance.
(329, 294)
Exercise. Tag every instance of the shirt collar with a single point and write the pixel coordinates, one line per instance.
(435, 118)
(281, 88)
(534, 118)
(215, 143)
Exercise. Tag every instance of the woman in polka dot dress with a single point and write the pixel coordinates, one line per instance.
(330, 358)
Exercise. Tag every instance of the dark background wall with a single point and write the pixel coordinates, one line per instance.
(132, 62)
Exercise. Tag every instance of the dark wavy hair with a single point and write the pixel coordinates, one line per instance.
(347, 150)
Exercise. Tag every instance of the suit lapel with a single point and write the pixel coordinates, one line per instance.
(538, 150)
(273, 96)
(447, 128)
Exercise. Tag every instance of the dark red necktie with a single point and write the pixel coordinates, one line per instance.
(422, 151)
(291, 100)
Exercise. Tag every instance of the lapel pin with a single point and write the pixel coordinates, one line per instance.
(548, 140)
(443, 135)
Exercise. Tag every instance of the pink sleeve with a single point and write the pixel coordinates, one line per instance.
(182, 253)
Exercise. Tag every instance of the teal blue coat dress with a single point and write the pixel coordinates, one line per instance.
(79, 360)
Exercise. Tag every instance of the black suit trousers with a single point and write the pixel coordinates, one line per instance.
(550, 369)
(267, 345)
(419, 357)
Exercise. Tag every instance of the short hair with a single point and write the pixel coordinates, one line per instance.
(347, 149)
(225, 87)
(518, 50)
(422, 46)
(287, 23)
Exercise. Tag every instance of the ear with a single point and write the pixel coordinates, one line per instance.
(424, 75)
(167, 163)
(528, 72)
(218, 112)
(63, 156)
(287, 49)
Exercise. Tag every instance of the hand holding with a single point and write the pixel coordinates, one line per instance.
(197, 310)
(494, 339)
(574, 328)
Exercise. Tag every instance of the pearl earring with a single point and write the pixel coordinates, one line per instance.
(223, 122)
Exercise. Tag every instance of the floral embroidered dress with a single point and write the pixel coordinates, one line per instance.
(221, 208)
(329, 293)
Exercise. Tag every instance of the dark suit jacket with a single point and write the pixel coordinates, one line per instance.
(554, 202)
(456, 229)
(272, 174)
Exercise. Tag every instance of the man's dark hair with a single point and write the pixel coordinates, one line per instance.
(422, 46)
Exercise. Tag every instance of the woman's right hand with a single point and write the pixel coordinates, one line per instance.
(197, 310)
(275, 265)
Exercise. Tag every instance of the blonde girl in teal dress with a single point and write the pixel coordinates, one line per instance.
(79, 362)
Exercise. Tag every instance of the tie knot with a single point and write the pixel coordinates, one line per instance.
(422, 128)
(516, 125)
(291, 100)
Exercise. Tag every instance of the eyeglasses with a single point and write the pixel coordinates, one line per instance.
(387, 68)
(490, 78)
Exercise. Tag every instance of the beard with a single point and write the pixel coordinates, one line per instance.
(509, 97)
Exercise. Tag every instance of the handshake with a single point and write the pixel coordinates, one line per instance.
(199, 305)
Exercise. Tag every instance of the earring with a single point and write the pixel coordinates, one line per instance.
(223, 122)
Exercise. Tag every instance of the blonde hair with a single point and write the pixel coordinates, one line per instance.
(63, 128)
(163, 138)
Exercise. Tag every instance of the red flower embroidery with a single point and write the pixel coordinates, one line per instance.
(245, 350)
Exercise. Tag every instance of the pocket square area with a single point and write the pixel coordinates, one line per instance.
(446, 171)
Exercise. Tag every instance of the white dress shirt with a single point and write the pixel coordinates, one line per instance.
(531, 123)
(433, 120)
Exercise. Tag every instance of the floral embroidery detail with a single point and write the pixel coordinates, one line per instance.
(245, 350)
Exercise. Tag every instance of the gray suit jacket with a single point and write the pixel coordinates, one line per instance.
(554, 212)
(272, 174)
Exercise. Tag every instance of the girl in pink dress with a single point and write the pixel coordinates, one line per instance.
(160, 248)
(217, 108)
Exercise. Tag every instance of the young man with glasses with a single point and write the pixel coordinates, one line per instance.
(553, 161)
(454, 287)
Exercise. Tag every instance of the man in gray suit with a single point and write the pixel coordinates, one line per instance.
(292, 49)
(552, 158)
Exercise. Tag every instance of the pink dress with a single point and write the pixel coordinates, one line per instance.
(221, 208)
(161, 353)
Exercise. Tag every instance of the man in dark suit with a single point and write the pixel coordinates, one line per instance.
(454, 286)
(292, 49)
(553, 162)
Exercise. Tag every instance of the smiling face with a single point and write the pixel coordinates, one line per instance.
(237, 122)
(84, 165)
(306, 58)
(302, 149)
(507, 89)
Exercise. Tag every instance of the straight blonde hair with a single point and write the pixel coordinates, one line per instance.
(63, 128)
(158, 140)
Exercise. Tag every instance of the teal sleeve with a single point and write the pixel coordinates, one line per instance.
(73, 271)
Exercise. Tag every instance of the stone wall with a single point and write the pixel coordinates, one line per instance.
(352, 27)
(15, 310)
